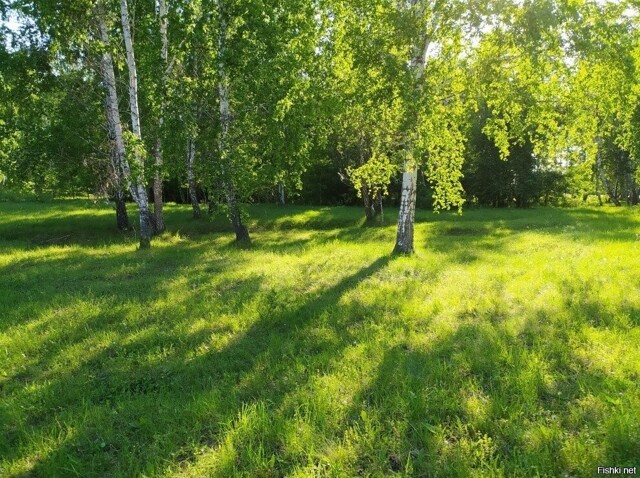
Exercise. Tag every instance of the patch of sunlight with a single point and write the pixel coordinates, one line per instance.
(302, 217)
(582, 451)
(476, 404)
(541, 435)
(75, 355)
(587, 409)
(609, 352)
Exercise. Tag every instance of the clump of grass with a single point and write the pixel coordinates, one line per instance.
(507, 346)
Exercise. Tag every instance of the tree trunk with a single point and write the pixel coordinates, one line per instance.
(366, 201)
(633, 198)
(242, 234)
(158, 156)
(603, 177)
(138, 190)
(377, 207)
(122, 218)
(115, 126)
(406, 217)
(117, 155)
(158, 205)
(281, 194)
(191, 178)
(606, 184)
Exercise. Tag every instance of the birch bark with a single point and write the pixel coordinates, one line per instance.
(406, 216)
(242, 234)
(114, 127)
(603, 177)
(191, 177)
(158, 153)
(138, 190)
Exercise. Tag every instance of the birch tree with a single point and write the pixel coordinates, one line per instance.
(228, 185)
(163, 19)
(135, 172)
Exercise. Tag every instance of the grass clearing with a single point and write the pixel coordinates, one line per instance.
(509, 345)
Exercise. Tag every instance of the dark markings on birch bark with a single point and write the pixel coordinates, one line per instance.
(605, 183)
(138, 190)
(633, 197)
(242, 233)
(367, 203)
(377, 206)
(404, 238)
(191, 178)
(122, 217)
(158, 204)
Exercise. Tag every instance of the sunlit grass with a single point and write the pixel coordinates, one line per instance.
(509, 345)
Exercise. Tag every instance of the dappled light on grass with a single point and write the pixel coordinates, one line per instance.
(508, 345)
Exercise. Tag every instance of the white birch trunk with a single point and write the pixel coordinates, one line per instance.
(242, 234)
(138, 190)
(191, 177)
(111, 101)
(406, 216)
(132, 68)
(157, 180)
(114, 127)
(281, 194)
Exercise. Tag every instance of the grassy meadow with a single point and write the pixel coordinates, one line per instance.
(508, 345)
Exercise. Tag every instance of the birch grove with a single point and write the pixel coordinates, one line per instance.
(415, 103)
(121, 163)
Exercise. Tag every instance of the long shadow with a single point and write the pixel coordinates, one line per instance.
(233, 374)
(65, 302)
(482, 400)
(33, 284)
(476, 233)
(130, 398)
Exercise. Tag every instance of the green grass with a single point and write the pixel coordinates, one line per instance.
(509, 345)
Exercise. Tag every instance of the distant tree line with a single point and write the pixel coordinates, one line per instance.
(219, 103)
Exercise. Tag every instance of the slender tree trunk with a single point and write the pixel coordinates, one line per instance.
(158, 213)
(122, 218)
(281, 194)
(134, 184)
(605, 183)
(406, 217)
(368, 205)
(633, 190)
(191, 178)
(117, 155)
(377, 206)
(242, 234)
(158, 205)
(114, 128)
(138, 190)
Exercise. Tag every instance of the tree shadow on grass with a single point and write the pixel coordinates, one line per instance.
(65, 308)
(473, 236)
(483, 400)
(134, 415)
(33, 284)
